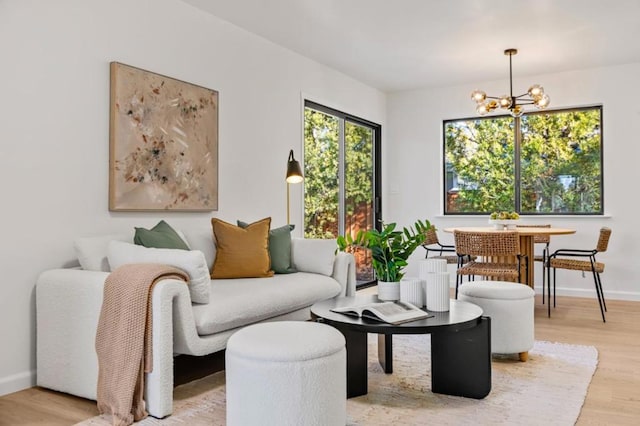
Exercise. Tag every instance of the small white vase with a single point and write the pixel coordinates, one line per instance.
(412, 291)
(388, 290)
(437, 291)
(431, 265)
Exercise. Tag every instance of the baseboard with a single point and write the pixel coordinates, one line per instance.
(631, 296)
(17, 382)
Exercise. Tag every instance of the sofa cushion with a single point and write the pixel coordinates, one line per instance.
(190, 261)
(279, 248)
(92, 251)
(239, 302)
(241, 252)
(313, 255)
(160, 236)
(202, 240)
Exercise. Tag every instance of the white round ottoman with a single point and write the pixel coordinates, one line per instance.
(286, 373)
(510, 307)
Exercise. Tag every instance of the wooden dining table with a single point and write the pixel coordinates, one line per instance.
(527, 235)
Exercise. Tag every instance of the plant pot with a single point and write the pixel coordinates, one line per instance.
(504, 223)
(388, 290)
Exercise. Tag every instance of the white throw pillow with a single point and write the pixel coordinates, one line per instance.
(313, 255)
(92, 251)
(190, 261)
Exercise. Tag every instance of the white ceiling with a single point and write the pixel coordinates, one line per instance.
(408, 44)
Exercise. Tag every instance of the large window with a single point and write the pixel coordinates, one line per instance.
(342, 177)
(541, 163)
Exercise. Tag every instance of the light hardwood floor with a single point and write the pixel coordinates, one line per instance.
(613, 397)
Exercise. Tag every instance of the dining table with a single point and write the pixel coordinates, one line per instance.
(526, 235)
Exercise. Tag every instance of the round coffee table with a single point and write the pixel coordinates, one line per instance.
(460, 345)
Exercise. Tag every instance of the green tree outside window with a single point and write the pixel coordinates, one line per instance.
(556, 154)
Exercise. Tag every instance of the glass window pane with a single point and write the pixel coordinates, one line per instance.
(359, 214)
(340, 178)
(479, 165)
(320, 174)
(561, 162)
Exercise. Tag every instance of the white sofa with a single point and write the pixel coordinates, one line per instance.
(68, 303)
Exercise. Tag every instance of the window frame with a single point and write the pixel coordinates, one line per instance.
(517, 138)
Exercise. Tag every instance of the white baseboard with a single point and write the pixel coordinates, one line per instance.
(17, 382)
(591, 293)
(632, 296)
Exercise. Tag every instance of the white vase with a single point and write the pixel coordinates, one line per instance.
(437, 291)
(412, 291)
(432, 265)
(388, 290)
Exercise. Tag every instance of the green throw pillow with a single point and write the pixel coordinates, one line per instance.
(160, 236)
(279, 248)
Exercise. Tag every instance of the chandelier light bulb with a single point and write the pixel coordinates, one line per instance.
(504, 101)
(478, 96)
(482, 109)
(535, 91)
(516, 111)
(491, 105)
(542, 101)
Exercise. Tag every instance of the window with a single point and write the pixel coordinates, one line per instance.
(541, 163)
(342, 177)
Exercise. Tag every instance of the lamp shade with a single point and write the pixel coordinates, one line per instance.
(294, 172)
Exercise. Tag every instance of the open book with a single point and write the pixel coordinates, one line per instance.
(389, 312)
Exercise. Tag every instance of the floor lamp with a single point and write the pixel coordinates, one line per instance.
(294, 175)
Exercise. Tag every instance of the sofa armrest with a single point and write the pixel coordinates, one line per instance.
(344, 271)
(68, 303)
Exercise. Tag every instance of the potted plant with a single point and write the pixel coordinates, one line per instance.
(390, 250)
(504, 220)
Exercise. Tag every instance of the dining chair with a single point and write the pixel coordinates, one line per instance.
(541, 239)
(432, 245)
(567, 260)
(495, 249)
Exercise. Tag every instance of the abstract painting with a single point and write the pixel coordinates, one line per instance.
(163, 143)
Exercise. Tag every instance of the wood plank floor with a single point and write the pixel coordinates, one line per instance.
(613, 397)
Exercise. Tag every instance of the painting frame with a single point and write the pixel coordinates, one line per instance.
(163, 143)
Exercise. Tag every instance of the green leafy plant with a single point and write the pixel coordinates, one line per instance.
(390, 248)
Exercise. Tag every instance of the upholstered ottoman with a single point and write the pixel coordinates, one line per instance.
(510, 307)
(286, 373)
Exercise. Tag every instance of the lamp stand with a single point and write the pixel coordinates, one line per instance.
(288, 221)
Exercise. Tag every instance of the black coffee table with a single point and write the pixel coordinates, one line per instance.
(460, 345)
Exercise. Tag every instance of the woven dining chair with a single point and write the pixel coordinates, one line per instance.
(542, 258)
(568, 261)
(432, 245)
(493, 248)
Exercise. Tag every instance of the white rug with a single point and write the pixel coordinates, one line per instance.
(549, 389)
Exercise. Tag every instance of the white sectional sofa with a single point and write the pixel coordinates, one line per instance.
(68, 303)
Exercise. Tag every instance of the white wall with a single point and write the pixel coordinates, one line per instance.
(54, 137)
(414, 128)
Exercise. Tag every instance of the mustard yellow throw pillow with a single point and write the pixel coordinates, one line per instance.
(241, 252)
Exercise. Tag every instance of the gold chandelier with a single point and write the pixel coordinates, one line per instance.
(535, 96)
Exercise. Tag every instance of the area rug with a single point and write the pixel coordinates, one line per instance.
(547, 389)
